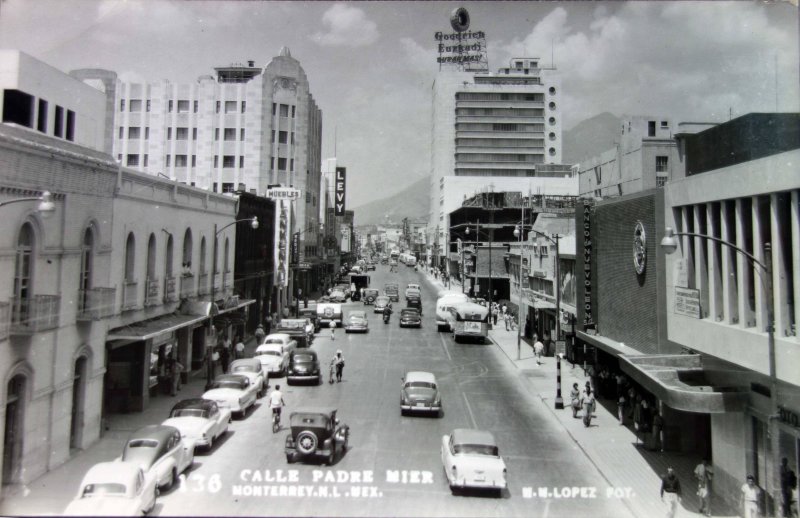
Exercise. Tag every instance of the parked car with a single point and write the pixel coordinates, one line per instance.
(160, 451)
(316, 432)
(369, 295)
(381, 303)
(410, 317)
(274, 359)
(232, 391)
(199, 420)
(337, 295)
(471, 459)
(114, 489)
(356, 321)
(303, 366)
(420, 393)
(414, 303)
(285, 340)
(309, 311)
(251, 368)
(301, 329)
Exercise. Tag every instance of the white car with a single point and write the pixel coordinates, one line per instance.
(274, 358)
(114, 489)
(232, 391)
(251, 368)
(285, 340)
(160, 451)
(471, 459)
(420, 393)
(199, 420)
(411, 285)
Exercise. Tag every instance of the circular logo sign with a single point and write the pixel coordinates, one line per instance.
(639, 248)
(459, 19)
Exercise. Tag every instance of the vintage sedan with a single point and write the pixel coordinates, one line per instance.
(251, 367)
(199, 420)
(369, 295)
(381, 303)
(337, 296)
(356, 321)
(274, 359)
(420, 393)
(471, 459)
(232, 391)
(114, 489)
(160, 451)
(410, 317)
(316, 432)
(285, 340)
(303, 366)
(412, 292)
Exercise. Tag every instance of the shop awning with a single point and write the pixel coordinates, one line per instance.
(235, 305)
(678, 380)
(147, 329)
(543, 304)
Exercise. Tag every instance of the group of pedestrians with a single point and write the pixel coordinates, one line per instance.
(583, 399)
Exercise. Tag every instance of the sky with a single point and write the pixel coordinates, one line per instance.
(371, 65)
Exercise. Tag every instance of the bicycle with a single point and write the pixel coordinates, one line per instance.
(276, 419)
(331, 372)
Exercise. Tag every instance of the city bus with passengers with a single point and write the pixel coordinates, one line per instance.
(468, 320)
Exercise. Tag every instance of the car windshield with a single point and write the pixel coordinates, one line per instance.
(269, 353)
(476, 449)
(304, 357)
(421, 384)
(409, 312)
(103, 489)
(244, 368)
(143, 443)
(189, 412)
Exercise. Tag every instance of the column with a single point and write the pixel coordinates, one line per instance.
(700, 262)
(780, 295)
(746, 315)
(715, 306)
(794, 216)
(729, 275)
(758, 252)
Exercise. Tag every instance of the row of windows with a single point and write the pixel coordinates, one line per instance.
(499, 142)
(284, 137)
(500, 157)
(182, 106)
(182, 133)
(502, 112)
(18, 108)
(486, 96)
(504, 127)
(283, 110)
(282, 164)
(228, 161)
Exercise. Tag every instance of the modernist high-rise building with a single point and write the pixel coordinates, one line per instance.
(242, 129)
(498, 131)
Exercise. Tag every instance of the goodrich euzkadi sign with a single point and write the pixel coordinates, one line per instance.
(339, 190)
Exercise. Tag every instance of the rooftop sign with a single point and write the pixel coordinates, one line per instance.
(283, 193)
(463, 48)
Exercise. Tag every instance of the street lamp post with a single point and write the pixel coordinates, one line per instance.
(254, 225)
(670, 245)
(46, 206)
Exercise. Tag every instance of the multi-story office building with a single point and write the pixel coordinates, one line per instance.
(642, 159)
(502, 129)
(242, 129)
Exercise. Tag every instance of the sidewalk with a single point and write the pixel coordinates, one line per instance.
(613, 449)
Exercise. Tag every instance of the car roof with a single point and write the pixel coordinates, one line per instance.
(327, 410)
(473, 436)
(419, 376)
(194, 402)
(112, 472)
(232, 377)
(409, 310)
(158, 432)
(269, 347)
(304, 350)
(359, 313)
(283, 336)
(245, 361)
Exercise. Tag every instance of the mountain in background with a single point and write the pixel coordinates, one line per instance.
(591, 137)
(586, 139)
(412, 202)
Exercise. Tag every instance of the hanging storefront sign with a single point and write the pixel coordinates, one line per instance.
(283, 193)
(588, 313)
(339, 191)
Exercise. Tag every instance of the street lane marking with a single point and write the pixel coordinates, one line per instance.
(444, 346)
(469, 409)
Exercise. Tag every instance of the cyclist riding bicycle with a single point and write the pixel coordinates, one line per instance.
(276, 402)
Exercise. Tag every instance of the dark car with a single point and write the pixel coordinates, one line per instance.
(316, 433)
(414, 303)
(392, 291)
(382, 303)
(369, 295)
(303, 366)
(160, 451)
(410, 317)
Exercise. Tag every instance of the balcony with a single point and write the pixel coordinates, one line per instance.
(96, 303)
(170, 289)
(151, 291)
(187, 286)
(203, 287)
(5, 319)
(130, 300)
(37, 313)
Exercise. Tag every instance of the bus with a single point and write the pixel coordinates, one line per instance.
(469, 320)
(447, 299)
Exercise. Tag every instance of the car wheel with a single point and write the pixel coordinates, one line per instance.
(332, 456)
(156, 492)
(210, 443)
(307, 442)
(290, 458)
(173, 477)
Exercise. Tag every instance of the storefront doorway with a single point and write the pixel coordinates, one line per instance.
(14, 429)
(78, 399)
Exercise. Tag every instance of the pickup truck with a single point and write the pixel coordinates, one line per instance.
(300, 329)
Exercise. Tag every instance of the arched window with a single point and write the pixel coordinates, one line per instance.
(168, 258)
(23, 274)
(187, 248)
(87, 260)
(130, 258)
(14, 428)
(203, 255)
(151, 257)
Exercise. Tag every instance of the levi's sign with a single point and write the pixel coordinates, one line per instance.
(339, 191)
(283, 193)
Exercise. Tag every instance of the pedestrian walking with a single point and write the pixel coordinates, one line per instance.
(589, 388)
(538, 349)
(260, 335)
(703, 473)
(750, 495)
(575, 400)
(504, 309)
(506, 320)
(658, 426)
(621, 409)
(788, 485)
(333, 330)
(587, 399)
(225, 358)
(238, 351)
(268, 323)
(495, 314)
(671, 491)
(338, 361)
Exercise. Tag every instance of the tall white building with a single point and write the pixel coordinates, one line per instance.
(497, 131)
